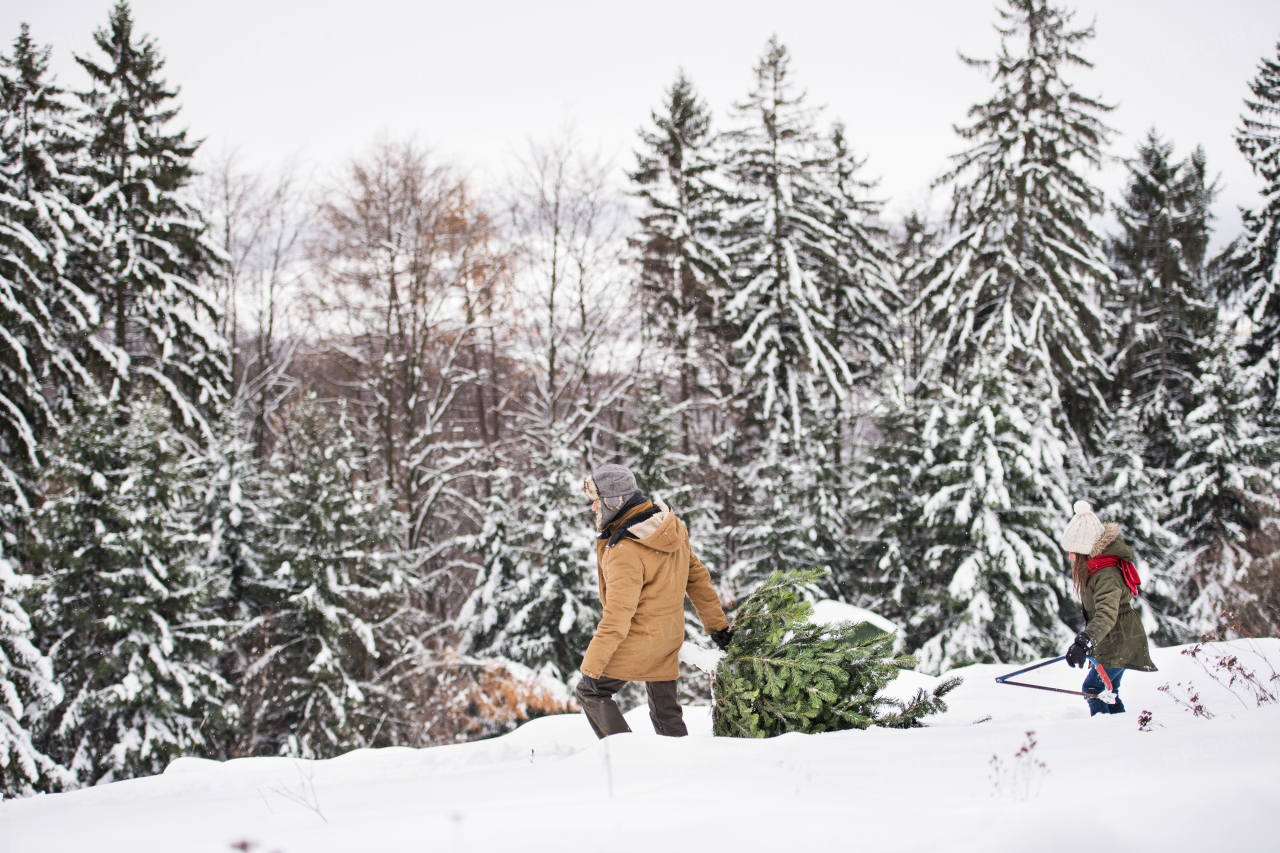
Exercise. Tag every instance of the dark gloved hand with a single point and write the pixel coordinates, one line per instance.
(1080, 649)
(722, 638)
(592, 684)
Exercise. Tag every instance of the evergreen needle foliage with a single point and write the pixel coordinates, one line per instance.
(784, 674)
(1255, 261)
(121, 606)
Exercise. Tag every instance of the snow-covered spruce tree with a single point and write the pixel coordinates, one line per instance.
(683, 273)
(650, 444)
(1161, 299)
(987, 524)
(682, 267)
(231, 528)
(27, 692)
(42, 226)
(918, 240)
(157, 330)
(1223, 489)
(1015, 371)
(1122, 487)
(535, 600)
(1256, 259)
(123, 597)
(795, 301)
(1250, 277)
(882, 505)
(43, 229)
(887, 569)
(872, 303)
(228, 486)
(1021, 278)
(785, 674)
(322, 624)
(797, 511)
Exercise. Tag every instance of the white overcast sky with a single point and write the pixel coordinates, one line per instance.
(321, 79)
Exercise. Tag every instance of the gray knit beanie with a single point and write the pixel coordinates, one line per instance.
(1083, 531)
(613, 486)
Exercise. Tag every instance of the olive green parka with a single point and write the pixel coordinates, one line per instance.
(1111, 620)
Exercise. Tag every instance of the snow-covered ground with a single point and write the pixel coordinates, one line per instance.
(1192, 783)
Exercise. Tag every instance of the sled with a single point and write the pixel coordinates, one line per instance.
(1108, 695)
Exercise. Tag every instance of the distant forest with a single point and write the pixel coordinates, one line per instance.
(294, 466)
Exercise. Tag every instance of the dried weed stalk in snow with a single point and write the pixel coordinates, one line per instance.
(1192, 703)
(1223, 662)
(1022, 777)
(1147, 723)
(304, 795)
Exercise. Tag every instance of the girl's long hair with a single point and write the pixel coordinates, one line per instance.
(1080, 572)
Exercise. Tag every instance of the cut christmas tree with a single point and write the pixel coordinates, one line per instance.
(784, 674)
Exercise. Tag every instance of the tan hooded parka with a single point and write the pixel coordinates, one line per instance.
(643, 582)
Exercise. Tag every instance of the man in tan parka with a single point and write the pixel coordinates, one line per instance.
(645, 567)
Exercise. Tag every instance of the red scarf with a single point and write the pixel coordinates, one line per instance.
(1127, 569)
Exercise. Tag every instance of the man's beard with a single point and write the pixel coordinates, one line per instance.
(597, 502)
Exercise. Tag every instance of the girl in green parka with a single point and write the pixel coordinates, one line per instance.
(1106, 580)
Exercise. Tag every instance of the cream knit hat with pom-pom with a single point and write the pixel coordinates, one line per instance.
(1084, 530)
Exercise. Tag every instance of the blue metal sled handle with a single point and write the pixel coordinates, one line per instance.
(1004, 679)
(1001, 678)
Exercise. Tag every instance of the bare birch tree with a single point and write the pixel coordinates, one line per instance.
(260, 221)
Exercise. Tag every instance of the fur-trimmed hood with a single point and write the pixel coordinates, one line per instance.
(1111, 543)
(651, 522)
(1110, 531)
(660, 531)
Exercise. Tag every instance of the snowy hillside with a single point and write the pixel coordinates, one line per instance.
(1194, 783)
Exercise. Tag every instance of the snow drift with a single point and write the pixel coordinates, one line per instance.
(1195, 781)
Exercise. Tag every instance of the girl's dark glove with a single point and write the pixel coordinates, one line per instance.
(592, 684)
(722, 638)
(1080, 650)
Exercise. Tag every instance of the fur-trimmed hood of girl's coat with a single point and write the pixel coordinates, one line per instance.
(1111, 537)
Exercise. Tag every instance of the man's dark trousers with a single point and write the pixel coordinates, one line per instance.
(605, 718)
